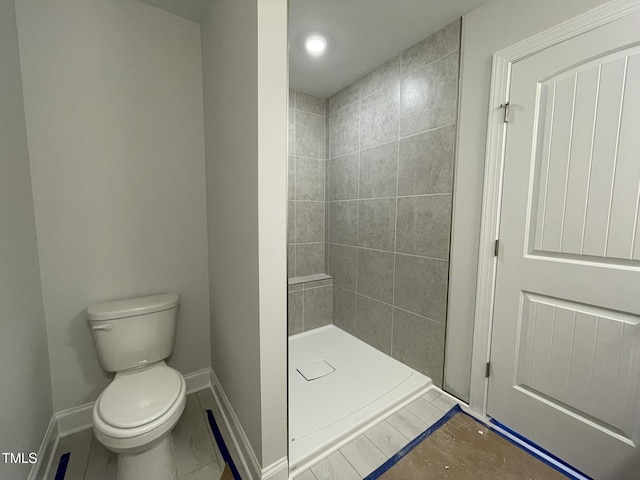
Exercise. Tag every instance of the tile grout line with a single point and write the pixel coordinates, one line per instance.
(393, 306)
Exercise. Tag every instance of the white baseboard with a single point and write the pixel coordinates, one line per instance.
(197, 381)
(278, 470)
(76, 419)
(47, 450)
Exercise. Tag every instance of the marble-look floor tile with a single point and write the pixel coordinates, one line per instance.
(78, 445)
(102, 463)
(208, 472)
(205, 397)
(208, 403)
(191, 443)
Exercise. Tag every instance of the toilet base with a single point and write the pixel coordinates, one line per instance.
(156, 463)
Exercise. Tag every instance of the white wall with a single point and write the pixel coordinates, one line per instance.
(25, 401)
(245, 93)
(113, 102)
(492, 27)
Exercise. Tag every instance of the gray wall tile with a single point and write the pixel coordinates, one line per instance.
(376, 223)
(343, 172)
(342, 265)
(344, 309)
(373, 323)
(375, 274)
(294, 313)
(310, 103)
(310, 135)
(433, 47)
(292, 130)
(421, 286)
(309, 222)
(291, 261)
(343, 219)
(345, 97)
(317, 283)
(424, 223)
(318, 307)
(382, 76)
(309, 179)
(419, 343)
(378, 171)
(428, 97)
(343, 131)
(426, 162)
(291, 181)
(291, 222)
(309, 259)
(379, 117)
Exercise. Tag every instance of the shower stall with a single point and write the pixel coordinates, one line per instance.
(369, 224)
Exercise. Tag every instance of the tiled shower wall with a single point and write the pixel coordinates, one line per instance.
(307, 159)
(391, 151)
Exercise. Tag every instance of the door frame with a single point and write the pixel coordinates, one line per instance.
(502, 62)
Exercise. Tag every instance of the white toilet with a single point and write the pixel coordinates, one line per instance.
(135, 414)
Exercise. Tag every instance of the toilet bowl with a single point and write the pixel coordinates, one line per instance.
(135, 414)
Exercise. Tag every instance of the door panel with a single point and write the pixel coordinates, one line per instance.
(565, 350)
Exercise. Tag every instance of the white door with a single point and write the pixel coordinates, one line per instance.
(565, 356)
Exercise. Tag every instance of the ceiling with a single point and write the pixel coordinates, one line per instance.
(362, 34)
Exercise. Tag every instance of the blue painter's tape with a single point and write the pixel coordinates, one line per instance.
(221, 445)
(62, 466)
(412, 444)
(535, 450)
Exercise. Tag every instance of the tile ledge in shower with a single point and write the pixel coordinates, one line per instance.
(309, 278)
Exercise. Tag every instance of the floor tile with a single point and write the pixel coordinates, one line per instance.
(425, 411)
(363, 455)
(335, 467)
(207, 403)
(208, 472)
(431, 394)
(386, 438)
(443, 402)
(78, 445)
(407, 424)
(102, 463)
(191, 443)
(306, 475)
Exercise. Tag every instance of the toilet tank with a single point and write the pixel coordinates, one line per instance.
(134, 332)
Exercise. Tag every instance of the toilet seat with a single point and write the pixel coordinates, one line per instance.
(138, 402)
(139, 397)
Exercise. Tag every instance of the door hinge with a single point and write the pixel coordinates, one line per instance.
(496, 248)
(505, 108)
(487, 370)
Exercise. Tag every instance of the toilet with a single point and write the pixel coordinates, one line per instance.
(135, 414)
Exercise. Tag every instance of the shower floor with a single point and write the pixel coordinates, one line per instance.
(327, 412)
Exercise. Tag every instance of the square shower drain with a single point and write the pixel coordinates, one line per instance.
(316, 369)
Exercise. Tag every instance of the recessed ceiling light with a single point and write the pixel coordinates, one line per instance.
(315, 45)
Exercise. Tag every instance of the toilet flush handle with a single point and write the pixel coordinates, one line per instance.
(104, 326)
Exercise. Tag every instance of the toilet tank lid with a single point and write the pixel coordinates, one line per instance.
(132, 307)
